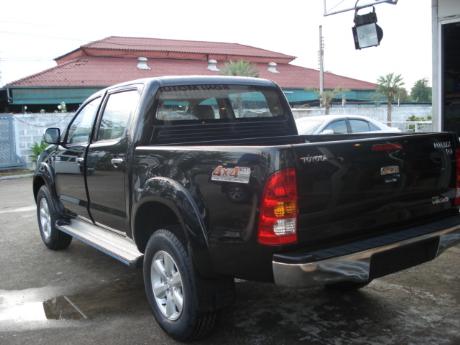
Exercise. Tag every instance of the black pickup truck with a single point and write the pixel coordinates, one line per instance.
(203, 179)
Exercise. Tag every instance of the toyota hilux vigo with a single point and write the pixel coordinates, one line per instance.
(201, 180)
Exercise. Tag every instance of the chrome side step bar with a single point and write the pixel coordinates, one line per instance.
(119, 247)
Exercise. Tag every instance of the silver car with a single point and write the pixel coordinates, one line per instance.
(341, 124)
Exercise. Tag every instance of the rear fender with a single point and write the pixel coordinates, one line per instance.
(173, 195)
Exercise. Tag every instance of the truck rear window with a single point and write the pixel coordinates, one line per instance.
(215, 102)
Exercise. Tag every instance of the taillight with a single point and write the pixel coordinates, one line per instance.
(386, 147)
(278, 209)
(457, 178)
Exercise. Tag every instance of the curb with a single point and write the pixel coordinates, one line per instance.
(14, 177)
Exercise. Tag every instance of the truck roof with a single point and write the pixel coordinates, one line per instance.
(198, 79)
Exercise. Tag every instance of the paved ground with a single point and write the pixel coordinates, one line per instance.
(80, 296)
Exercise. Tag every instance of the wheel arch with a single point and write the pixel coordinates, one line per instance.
(152, 215)
(163, 203)
(37, 183)
(44, 176)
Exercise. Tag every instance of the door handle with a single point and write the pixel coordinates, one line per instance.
(116, 162)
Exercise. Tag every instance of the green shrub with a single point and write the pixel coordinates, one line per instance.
(411, 127)
(37, 149)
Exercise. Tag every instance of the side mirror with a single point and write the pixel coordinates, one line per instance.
(327, 132)
(52, 136)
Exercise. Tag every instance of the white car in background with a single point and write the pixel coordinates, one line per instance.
(341, 124)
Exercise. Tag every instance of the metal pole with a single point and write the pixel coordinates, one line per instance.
(356, 8)
(321, 63)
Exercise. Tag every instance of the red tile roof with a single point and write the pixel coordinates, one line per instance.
(167, 48)
(140, 43)
(104, 71)
(114, 59)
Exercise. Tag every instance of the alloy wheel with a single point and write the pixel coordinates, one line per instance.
(167, 285)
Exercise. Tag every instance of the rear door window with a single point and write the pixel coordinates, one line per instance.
(373, 127)
(339, 127)
(359, 126)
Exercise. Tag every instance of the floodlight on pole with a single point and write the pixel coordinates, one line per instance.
(366, 32)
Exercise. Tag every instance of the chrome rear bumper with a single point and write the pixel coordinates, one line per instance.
(355, 267)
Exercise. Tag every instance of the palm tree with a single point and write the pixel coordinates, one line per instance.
(328, 96)
(391, 86)
(326, 99)
(240, 68)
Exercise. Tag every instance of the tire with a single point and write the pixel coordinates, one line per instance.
(347, 286)
(168, 267)
(46, 216)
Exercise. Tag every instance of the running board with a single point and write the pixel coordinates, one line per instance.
(119, 247)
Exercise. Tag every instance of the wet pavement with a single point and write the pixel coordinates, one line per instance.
(80, 296)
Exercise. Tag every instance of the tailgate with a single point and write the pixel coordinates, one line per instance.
(357, 187)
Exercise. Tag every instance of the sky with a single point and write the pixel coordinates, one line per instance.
(33, 33)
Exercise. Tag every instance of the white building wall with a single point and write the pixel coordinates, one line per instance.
(443, 12)
(448, 8)
(29, 129)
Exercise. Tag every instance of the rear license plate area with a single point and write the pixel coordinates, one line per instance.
(400, 258)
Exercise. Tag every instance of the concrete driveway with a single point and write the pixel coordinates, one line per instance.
(80, 296)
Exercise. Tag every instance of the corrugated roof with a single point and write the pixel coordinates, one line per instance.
(104, 71)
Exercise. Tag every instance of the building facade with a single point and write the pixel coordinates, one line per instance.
(114, 59)
(446, 65)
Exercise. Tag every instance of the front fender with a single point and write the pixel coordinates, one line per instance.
(45, 172)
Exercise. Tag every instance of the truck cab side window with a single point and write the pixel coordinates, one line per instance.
(118, 110)
(81, 126)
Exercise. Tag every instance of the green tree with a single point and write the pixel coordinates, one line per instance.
(421, 92)
(403, 95)
(391, 86)
(240, 68)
